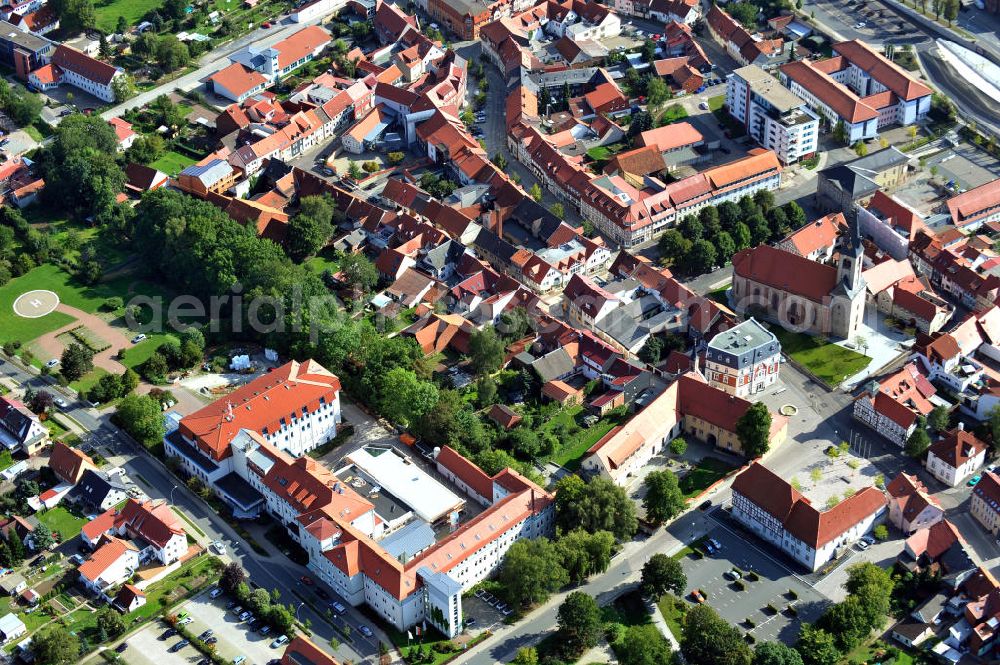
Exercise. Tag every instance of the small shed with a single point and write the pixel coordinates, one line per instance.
(11, 627)
(13, 584)
(504, 416)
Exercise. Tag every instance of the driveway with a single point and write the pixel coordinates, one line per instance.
(50, 347)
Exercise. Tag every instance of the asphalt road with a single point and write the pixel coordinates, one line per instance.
(278, 572)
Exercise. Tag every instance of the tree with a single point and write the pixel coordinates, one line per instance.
(531, 571)
(664, 499)
(652, 351)
(155, 368)
(486, 350)
(847, 622)
(742, 236)
(54, 645)
(795, 214)
(76, 361)
(840, 132)
(359, 273)
(310, 228)
(142, 417)
(354, 170)
(121, 26)
(42, 537)
(744, 12)
(816, 646)
(678, 446)
(725, 247)
(861, 148)
(775, 653)
(110, 622)
(702, 257)
(881, 532)
(526, 656)
(649, 50)
(598, 505)
(233, 576)
(535, 192)
(937, 419)
(673, 246)
(583, 554)
(657, 92)
(123, 87)
(500, 161)
(41, 401)
(951, 10)
(579, 622)
(558, 210)
(706, 639)
(764, 200)
(661, 574)
(171, 53)
(643, 645)
(754, 430)
(5, 558)
(75, 15)
(404, 397)
(919, 442)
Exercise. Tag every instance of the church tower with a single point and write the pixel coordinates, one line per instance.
(848, 298)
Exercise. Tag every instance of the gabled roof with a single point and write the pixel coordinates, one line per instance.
(267, 404)
(882, 69)
(68, 463)
(83, 65)
(301, 651)
(299, 45)
(238, 79)
(786, 271)
(957, 447)
(671, 137)
(837, 96)
(768, 491)
(818, 235)
(106, 555)
(152, 520)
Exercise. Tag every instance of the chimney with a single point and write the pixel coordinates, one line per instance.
(961, 426)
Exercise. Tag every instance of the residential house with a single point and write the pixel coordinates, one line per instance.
(504, 416)
(744, 47)
(140, 178)
(893, 406)
(941, 357)
(237, 82)
(817, 240)
(13, 584)
(743, 360)
(69, 464)
(890, 224)
(211, 175)
(11, 627)
(976, 207)
(277, 61)
(39, 22)
(123, 132)
(112, 563)
(770, 507)
(129, 599)
(98, 490)
(301, 650)
(20, 429)
(911, 506)
(955, 456)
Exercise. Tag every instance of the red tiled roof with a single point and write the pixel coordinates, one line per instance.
(300, 44)
(68, 463)
(969, 206)
(300, 651)
(817, 529)
(672, 136)
(504, 416)
(837, 96)
(988, 489)
(466, 471)
(238, 79)
(882, 70)
(820, 234)
(152, 520)
(768, 491)
(786, 271)
(265, 405)
(104, 557)
(101, 524)
(957, 447)
(82, 64)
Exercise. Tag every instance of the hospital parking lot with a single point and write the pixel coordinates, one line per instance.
(148, 646)
(775, 586)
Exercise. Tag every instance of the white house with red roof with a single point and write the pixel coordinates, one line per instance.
(911, 506)
(893, 405)
(280, 59)
(955, 456)
(816, 240)
(985, 503)
(970, 210)
(20, 429)
(237, 82)
(123, 132)
(111, 564)
(151, 521)
(770, 507)
(75, 68)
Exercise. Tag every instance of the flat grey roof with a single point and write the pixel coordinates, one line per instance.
(769, 88)
(746, 336)
(25, 40)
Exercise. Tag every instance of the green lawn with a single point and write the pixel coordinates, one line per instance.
(707, 471)
(673, 610)
(716, 103)
(323, 261)
(88, 380)
(59, 519)
(33, 132)
(828, 362)
(172, 162)
(674, 113)
(132, 10)
(139, 353)
(570, 454)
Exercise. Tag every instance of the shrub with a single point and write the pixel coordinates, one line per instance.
(739, 585)
(750, 623)
(792, 594)
(881, 532)
(770, 609)
(370, 167)
(752, 576)
(113, 303)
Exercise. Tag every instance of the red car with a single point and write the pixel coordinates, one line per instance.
(305, 579)
(265, 25)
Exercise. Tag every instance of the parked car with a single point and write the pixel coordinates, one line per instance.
(974, 480)
(868, 539)
(337, 607)
(219, 547)
(60, 402)
(255, 624)
(697, 596)
(245, 616)
(185, 621)
(122, 647)
(470, 621)
(265, 630)
(216, 592)
(138, 338)
(204, 636)
(180, 645)
(52, 363)
(733, 575)
(212, 640)
(715, 543)
(170, 633)
(279, 641)
(365, 630)
(305, 579)
(709, 547)
(862, 545)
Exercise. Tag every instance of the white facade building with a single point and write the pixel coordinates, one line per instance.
(777, 119)
(743, 360)
(955, 457)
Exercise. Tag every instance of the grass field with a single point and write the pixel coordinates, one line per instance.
(52, 278)
(138, 354)
(132, 10)
(707, 471)
(172, 163)
(828, 362)
(322, 262)
(88, 380)
(59, 519)
(570, 454)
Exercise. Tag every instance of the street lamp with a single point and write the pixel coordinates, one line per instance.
(297, 610)
(172, 494)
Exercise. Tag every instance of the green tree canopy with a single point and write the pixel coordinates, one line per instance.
(643, 645)
(661, 574)
(754, 430)
(775, 653)
(76, 361)
(486, 350)
(54, 645)
(598, 505)
(142, 417)
(310, 228)
(707, 639)
(579, 622)
(531, 571)
(664, 499)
